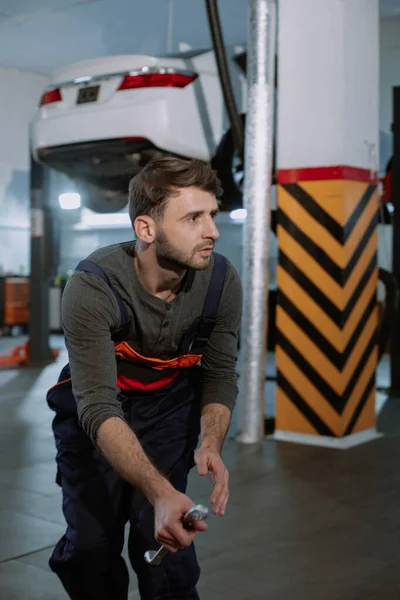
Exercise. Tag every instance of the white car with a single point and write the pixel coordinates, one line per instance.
(99, 121)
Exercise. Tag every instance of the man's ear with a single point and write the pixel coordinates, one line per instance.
(145, 228)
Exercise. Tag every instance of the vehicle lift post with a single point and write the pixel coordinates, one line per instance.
(43, 255)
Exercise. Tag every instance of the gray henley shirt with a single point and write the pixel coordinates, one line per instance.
(90, 314)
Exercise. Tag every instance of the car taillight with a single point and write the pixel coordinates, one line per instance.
(145, 80)
(50, 97)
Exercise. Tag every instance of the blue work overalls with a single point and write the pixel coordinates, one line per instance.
(97, 502)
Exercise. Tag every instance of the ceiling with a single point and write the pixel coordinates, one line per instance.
(42, 35)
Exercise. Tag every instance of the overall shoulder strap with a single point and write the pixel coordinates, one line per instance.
(197, 336)
(215, 287)
(90, 267)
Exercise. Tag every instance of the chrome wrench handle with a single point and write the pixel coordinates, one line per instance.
(198, 512)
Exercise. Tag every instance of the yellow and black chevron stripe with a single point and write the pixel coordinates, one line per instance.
(327, 313)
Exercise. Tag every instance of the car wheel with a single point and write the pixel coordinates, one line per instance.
(230, 170)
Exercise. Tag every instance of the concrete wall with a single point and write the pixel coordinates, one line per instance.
(389, 77)
(389, 68)
(20, 92)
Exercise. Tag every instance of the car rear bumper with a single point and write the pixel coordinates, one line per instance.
(151, 121)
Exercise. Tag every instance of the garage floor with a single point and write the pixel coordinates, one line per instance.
(303, 522)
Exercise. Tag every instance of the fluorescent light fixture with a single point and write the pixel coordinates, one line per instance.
(69, 200)
(238, 215)
(93, 219)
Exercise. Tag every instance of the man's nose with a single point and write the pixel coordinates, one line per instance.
(211, 230)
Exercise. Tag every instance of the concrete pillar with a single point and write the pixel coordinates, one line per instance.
(328, 126)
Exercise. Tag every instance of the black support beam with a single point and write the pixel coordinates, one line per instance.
(395, 339)
(43, 262)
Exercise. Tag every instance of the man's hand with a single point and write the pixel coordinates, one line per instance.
(209, 463)
(170, 508)
(120, 446)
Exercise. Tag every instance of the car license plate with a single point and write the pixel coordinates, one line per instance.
(88, 94)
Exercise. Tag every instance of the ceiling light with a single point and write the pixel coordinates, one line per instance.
(69, 200)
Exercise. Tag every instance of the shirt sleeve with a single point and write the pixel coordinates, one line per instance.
(89, 314)
(220, 354)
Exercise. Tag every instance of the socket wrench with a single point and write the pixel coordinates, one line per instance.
(198, 512)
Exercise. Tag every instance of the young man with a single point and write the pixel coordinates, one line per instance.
(151, 329)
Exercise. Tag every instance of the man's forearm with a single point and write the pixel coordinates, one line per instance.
(120, 446)
(215, 420)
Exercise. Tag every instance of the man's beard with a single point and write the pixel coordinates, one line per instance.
(175, 258)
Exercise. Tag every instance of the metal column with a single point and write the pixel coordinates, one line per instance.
(256, 231)
(395, 341)
(42, 262)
